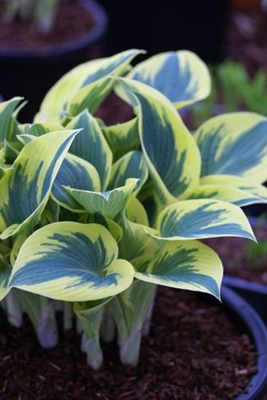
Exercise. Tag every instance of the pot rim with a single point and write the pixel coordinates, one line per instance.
(243, 284)
(246, 313)
(96, 32)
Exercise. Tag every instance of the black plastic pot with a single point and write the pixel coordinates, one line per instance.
(247, 319)
(30, 74)
(254, 293)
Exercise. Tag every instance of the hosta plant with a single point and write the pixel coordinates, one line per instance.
(94, 216)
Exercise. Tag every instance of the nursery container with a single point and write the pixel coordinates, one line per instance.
(31, 73)
(255, 293)
(241, 310)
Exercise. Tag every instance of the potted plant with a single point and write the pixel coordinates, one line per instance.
(40, 40)
(108, 213)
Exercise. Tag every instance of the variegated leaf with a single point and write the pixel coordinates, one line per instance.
(90, 97)
(91, 145)
(235, 189)
(90, 315)
(189, 265)
(131, 310)
(17, 242)
(234, 144)
(227, 193)
(39, 129)
(188, 79)
(136, 212)
(5, 272)
(72, 262)
(108, 203)
(136, 240)
(75, 173)
(123, 137)
(112, 226)
(25, 188)
(7, 122)
(202, 218)
(169, 148)
(11, 151)
(25, 138)
(91, 310)
(52, 212)
(88, 75)
(131, 165)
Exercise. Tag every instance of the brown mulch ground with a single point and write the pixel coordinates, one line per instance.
(193, 352)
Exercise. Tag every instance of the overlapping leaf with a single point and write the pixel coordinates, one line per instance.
(228, 193)
(108, 203)
(26, 187)
(181, 76)
(203, 218)
(234, 144)
(112, 226)
(136, 240)
(235, 189)
(10, 151)
(91, 145)
(5, 272)
(189, 265)
(75, 173)
(131, 165)
(84, 85)
(123, 137)
(39, 129)
(72, 262)
(7, 123)
(170, 151)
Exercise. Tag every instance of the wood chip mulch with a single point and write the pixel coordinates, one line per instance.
(193, 352)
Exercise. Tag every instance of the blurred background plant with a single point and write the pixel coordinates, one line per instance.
(232, 90)
(41, 13)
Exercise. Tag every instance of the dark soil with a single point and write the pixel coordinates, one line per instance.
(72, 22)
(193, 352)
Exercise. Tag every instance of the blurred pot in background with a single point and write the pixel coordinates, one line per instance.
(32, 61)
